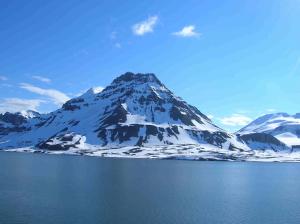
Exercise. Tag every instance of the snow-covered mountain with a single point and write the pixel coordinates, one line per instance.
(135, 116)
(284, 127)
(135, 110)
(15, 122)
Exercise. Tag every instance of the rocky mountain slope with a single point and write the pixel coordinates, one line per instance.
(135, 112)
(284, 127)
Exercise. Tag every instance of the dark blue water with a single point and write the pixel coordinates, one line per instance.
(37, 188)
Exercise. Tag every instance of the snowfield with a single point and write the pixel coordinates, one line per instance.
(182, 152)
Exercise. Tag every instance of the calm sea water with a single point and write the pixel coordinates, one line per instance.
(37, 188)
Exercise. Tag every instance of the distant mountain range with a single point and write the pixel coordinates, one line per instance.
(284, 127)
(138, 116)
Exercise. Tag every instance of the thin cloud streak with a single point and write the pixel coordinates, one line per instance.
(16, 104)
(41, 78)
(235, 120)
(54, 95)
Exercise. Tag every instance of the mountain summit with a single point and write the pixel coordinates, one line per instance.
(134, 110)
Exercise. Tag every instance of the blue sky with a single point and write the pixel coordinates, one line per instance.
(234, 60)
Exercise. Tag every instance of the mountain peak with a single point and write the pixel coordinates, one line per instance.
(28, 113)
(92, 92)
(137, 77)
(95, 90)
(265, 118)
(17, 118)
(135, 110)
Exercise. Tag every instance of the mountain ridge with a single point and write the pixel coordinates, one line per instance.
(282, 126)
(135, 110)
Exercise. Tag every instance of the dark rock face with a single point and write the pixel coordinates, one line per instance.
(73, 123)
(121, 134)
(261, 137)
(186, 117)
(264, 138)
(72, 104)
(12, 122)
(295, 148)
(64, 142)
(68, 106)
(216, 138)
(176, 114)
(139, 77)
(13, 118)
(5, 131)
(117, 115)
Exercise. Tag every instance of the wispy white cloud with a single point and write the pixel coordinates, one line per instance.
(187, 31)
(17, 104)
(54, 95)
(235, 120)
(145, 26)
(41, 78)
(3, 78)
